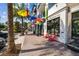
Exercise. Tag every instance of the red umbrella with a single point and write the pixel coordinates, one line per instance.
(39, 19)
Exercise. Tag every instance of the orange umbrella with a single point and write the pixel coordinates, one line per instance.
(39, 19)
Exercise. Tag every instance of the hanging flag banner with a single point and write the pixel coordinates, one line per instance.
(23, 13)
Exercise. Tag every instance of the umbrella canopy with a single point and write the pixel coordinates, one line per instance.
(39, 20)
(32, 18)
(23, 13)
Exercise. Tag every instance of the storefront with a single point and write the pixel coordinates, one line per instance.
(75, 25)
(54, 26)
(64, 20)
(58, 17)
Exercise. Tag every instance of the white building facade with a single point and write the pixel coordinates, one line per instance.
(63, 11)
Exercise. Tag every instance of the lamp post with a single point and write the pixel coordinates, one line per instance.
(46, 17)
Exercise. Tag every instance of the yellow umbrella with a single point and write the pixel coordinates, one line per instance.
(23, 13)
(37, 22)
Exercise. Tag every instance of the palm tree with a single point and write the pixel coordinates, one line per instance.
(11, 45)
(16, 8)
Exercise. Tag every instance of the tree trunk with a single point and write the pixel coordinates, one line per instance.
(22, 29)
(11, 44)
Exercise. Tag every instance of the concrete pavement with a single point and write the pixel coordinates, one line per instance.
(32, 45)
(39, 46)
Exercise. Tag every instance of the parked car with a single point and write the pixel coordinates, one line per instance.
(4, 35)
(2, 43)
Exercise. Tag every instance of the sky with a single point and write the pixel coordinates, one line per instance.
(31, 6)
(3, 12)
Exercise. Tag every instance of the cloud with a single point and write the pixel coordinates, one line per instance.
(4, 12)
(3, 18)
(4, 15)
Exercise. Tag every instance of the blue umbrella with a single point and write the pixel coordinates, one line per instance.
(32, 18)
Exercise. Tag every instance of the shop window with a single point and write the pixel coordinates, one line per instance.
(75, 25)
(49, 27)
(54, 26)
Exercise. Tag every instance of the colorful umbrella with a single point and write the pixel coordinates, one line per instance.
(39, 19)
(32, 18)
(37, 22)
(33, 25)
(23, 13)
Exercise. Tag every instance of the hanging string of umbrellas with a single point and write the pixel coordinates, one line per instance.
(26, 13)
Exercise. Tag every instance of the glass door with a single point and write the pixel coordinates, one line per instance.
(49, 27)
(75, 25)
(56, 26)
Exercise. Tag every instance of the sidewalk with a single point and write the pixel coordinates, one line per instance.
(39, 46)
(32, 43)
(19, 39)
